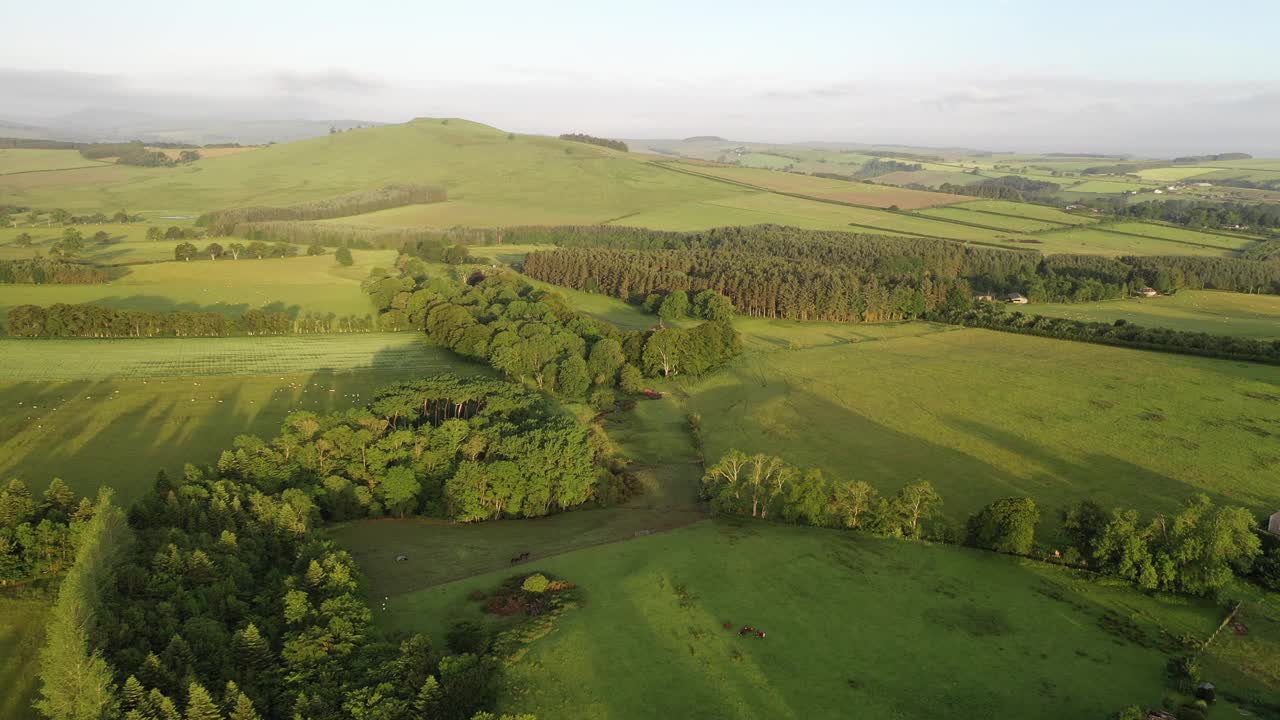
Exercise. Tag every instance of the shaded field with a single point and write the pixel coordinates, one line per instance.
(300, 285)
(1027, 210)
(823, 188)
(1219, 313)
(984, 415)
(24, 160)
(851, 621)
(113, 412)
(21, 635)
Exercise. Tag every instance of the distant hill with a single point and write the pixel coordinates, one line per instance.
(115, 125)
(711, 138)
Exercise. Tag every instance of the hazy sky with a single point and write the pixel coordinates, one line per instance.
(1137, 75)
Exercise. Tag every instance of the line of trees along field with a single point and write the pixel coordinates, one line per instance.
(41, 271)
(93, 321)
(1120, 333)
(1201, 214)
(805, 275)
(534, 336)
(593, 140)
(222, 599)
(1197, 551)
(225, 222)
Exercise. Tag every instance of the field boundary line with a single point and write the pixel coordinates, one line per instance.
(48, 170)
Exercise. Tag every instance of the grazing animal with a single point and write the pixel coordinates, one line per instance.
(520, 558)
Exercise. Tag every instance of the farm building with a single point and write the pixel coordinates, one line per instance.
(1147, 292)
(1015, 298)
(988, 297)
(1273, 525)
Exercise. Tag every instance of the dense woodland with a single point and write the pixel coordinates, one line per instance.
(38, 534)
(534, 336)
(220, 596)
(41, 271)
(92, 321)
(593, 140)
(811, 275)
(1196, 551)
(225, 222)
(1009, 187)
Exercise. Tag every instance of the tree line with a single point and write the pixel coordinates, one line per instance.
(593, 140)
(1201, 214)
(37, 534)
(136, 153)
(1120, 333)
(1008, 187)
(1196, 551)
(92, 321)
(226, 222)
(221, 598)
(41, 271)
(533, 336)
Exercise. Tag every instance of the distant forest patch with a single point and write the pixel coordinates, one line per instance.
(593, 140)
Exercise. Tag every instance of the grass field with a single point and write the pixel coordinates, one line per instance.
(1100, 242)
(1004, 222)
(893, 629)
(21, 635)
(1027, 210)
(983, 415)
(824, 188)
(1105, 186)
(24, 161)
(113, 412)
(302, 284)
(483, 166)
(1219, 313)
(1182, 234)
(1172, 174)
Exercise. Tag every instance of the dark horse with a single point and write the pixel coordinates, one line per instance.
(520, 558)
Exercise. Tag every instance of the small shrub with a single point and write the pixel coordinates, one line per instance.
(536, 583)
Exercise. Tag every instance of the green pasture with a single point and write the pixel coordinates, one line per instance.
(767, 161)
(1026, 210)
(24, 160)
(1181, 234)
(859, 193)
(1105, 186)
(298, 284)
(1177, 173)
(878, 627)
(483, 166)
(1010, 224)
(21, 635)
(1217, 313)
(984, 415)
(1100, 242)
(113, 412)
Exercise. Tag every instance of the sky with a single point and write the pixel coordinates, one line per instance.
(1142, 77)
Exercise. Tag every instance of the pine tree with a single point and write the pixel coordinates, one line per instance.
(243, 709)
(252, 649)
(59, 496)
(164, 707)
(200, 705)
(135, 698)
(427, 704)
